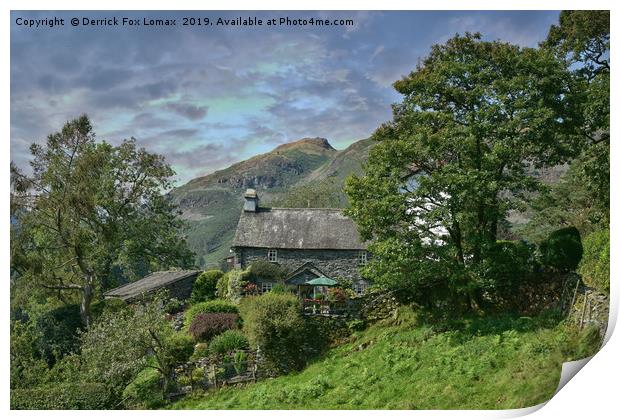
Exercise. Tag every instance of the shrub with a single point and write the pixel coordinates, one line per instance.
(594, 267)
(111, 305)
(562, 250)
(200, 350)
(206, 326)
(205, 286)
(59, 329)
(274, 322)
(173, 305)
(230, 285)
(279, 288)
(208, 307)
(263, 270)
(505, 266)
(64, 396)
(228, 341)
(145, 391)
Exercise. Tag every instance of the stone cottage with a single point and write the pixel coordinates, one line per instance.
(306, 242)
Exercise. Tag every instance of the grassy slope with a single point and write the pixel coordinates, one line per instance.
(506, 362)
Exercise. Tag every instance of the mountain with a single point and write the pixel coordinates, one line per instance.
(304, 173)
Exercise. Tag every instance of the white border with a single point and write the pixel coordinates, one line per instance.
(592, 394)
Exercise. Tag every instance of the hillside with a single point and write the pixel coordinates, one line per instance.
(490, 363)
(211, 204)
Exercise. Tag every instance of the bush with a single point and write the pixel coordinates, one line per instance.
(205, 286)
(59, 329)
(173, 305)
(64, 396)
(562, 250)
(206, 326)
(504, 267)
(200, 350)
(145, 391)
(263, 270)
(230, 285)
(111, 305)
(208, 307)
(228, 341)
(274, 322)
(594, 267)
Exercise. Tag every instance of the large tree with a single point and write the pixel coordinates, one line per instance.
(582, 38)
(91, 214)
(454, 160)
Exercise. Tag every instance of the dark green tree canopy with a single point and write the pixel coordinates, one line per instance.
(454, 159)
(91, 214)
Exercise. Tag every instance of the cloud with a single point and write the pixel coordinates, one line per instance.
(189, 111)
(206, 99)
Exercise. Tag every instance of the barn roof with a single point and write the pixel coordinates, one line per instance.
(297, 229)
(150, 283)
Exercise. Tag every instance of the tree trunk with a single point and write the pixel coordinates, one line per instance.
(87, 298)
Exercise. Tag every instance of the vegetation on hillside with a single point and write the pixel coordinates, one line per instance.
(433, 200)
(490, 363)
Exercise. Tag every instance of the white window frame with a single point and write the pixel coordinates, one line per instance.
(266, 287)
(272, 255)
(362, 258)
(359, 288)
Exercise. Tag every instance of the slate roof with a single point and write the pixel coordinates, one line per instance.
(150, 283)
(297, 229)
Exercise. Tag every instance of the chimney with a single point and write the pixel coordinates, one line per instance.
(251, 200)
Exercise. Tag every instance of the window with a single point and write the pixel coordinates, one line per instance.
(266, 287)
(362, 258)
(272, 255)
(359, 288)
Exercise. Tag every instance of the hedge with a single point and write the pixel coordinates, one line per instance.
(228, 341)
(594, 267)
(211, 306)
(64, 396)
(206, 326)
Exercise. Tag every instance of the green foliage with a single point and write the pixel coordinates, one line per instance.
(506, 265)
(274, 323)
(111, 305)
(261, 270)
(27, 366)
(127, 226)
(562, 250)
(230, 285)
(200, 350)
(118, 346)
(498, 362)
(228, 341)
(446, 170)
(64, 396)
(594, 266)
(59, 329)
(212, 306)
(145, 391)
(240, 361)
(582, 198)
(205, 287)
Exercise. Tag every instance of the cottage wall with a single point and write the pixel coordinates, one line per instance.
(334, 263)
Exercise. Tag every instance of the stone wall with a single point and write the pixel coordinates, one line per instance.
(584, 306)
(334, 263)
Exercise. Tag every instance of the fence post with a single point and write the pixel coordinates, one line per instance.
(583, 311)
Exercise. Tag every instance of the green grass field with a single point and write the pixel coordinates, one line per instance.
(492, 363)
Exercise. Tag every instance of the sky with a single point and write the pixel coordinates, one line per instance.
(206, 96)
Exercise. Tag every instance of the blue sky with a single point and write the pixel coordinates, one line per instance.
(209, 97)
